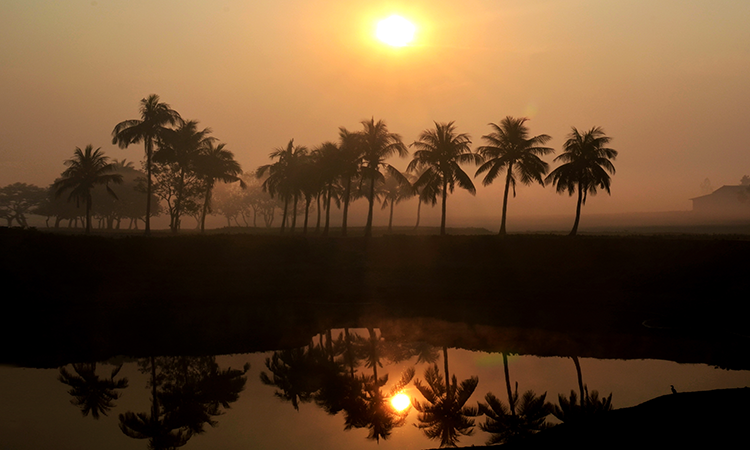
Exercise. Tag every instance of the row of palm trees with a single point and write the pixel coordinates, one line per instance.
(358, 162)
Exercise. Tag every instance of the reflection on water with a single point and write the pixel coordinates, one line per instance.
(332, 393)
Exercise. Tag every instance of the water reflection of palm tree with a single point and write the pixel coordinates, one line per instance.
(294, 374)
(571, 410)
(520, 420)
(91, 393)
(185, 393)
(444, 415)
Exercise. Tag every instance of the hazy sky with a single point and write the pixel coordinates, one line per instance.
(669, 81)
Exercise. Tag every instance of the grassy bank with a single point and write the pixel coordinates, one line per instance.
(94, 296)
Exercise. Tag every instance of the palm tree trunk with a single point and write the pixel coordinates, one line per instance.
(317, 224)
(283, 218)
(88, 213)
(307, 213)
(294, 213)
(505, 198)
(419, 211)
(149, 151)
(578, 211)
(328, 212)
(347, 193)
(368, 226)
(507, 385)
(390, 217)
(445, 198)
(447, 376)
(580, 377)
(205, 207)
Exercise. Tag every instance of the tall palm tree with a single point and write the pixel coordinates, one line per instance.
(179, 150)
(378, 144)
(350, 146)
(216, 163)
(282, 174)
(587, 163)
(86, 169)
(510, 147)
(440, 152)
(328, 167)
(155, 115)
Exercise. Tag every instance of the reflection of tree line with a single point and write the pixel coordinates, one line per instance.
(186, 394)
(328, 374)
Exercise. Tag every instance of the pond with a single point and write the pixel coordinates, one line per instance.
(248, 400)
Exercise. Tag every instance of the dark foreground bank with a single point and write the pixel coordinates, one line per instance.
(81, 297)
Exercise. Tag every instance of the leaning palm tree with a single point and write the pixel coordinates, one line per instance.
(440, 152)
(510, 147)
(154, 118)
(587, 163)
(86, 169)
(216, 163)
(377, 145)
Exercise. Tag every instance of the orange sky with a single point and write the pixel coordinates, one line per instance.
(667, 80)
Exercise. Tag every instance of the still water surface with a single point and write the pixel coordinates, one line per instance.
(36, 410)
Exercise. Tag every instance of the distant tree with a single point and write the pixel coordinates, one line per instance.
(281, 177)
(377, 145)
(586, 165)
(440, 153)
(745, 181)
(87, 168)
(93, 394)
(706, 187)
(155, 116)
(393, 192)
(510, 147)
(60, 209)
(19, 199)
(351, 150)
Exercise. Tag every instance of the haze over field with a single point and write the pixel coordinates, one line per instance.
(666, 80)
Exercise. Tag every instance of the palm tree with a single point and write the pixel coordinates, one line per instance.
(445, 415)
(378, 144)
(350, 146)
(586, 160)
(327, 167)
(282, 178)
(180, 150)
(440, 152)
(392, 192)
(86, 169)
(507, 426)
(509, 146)
(216, 164)
(154, 116)
(91, 393)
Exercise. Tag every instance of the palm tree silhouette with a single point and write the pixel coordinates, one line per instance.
(586, 162)
(570, 410)
(294, 374)
(94, 395)
(440, 152)
(282, 177)
(180, 149)
(326, 169)
(444, 415)
(350, 146)
(393, 192)
(154, 118)
(521, 420)
(378, 144)
(216, 163)
(510, 147)
(86, 169)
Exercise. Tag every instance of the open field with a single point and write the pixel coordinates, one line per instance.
(74, 297)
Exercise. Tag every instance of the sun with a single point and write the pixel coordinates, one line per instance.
(400, 402)
(395, 31)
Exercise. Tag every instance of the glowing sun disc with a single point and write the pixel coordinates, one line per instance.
(395, 31)
(400, 402)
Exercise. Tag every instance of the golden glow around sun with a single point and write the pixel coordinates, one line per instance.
(400, 401)
(395, 31)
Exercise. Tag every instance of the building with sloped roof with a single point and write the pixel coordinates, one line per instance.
(727, 201)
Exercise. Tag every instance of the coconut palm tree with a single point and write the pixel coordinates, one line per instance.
(377, 145)
(587, 163)
(282, 176)
(393, 192)
(216, 163)
(507, 426)
(350, 146)
(444, 415)
(86, 169)
(440, 152)
(510, 147)
(93, 394)
(155, 115)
